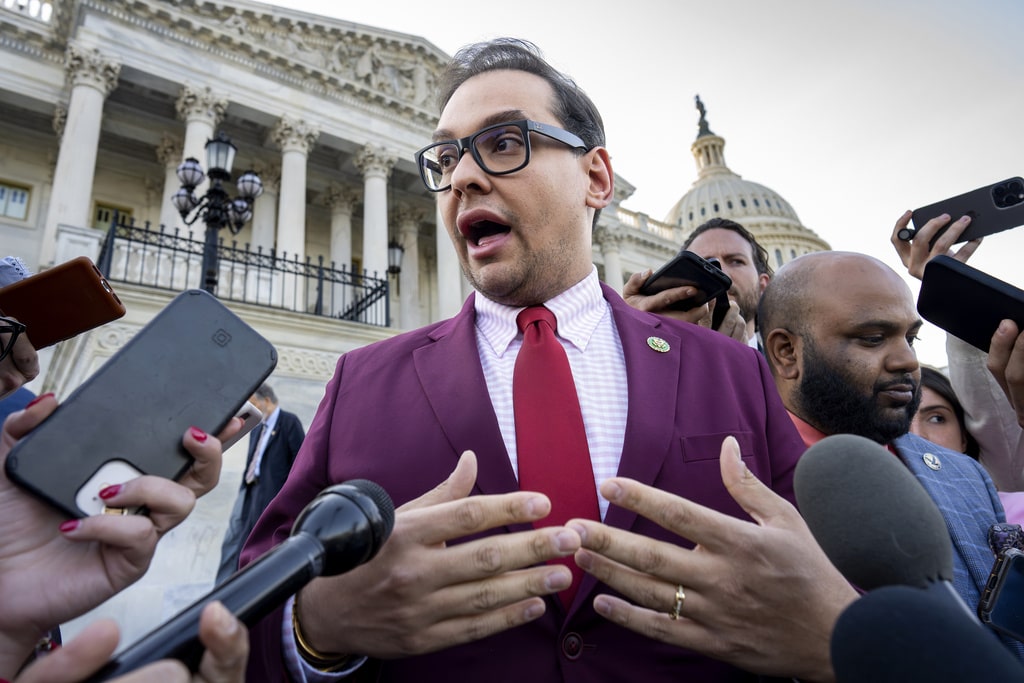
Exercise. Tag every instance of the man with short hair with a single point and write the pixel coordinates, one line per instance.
(465, 588)
(839, 331)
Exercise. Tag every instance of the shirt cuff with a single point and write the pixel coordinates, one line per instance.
(299, 669)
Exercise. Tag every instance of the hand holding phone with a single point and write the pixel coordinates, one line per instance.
(687, 268)
(992, 208)
(1002, 603)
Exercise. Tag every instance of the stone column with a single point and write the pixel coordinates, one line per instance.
(169, 154)
(342, 200)
(610, 242)
(201, 110)
(295, 138)
(375, 163)
(92, 77)
(264, 209)
(449, 273)
(409, 219)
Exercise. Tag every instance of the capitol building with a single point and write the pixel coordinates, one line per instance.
(102, 100)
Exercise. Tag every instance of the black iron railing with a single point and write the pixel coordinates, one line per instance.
(173, 260)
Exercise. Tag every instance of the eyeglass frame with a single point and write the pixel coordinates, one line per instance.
(526, 126)
(15, 328)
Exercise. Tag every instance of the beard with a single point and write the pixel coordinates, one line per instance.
(833, 403)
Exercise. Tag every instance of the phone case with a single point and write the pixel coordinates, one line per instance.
(687, 268)
(196, 363)
(1002, 604)
(61, 302)
(993, 208)
(966, 302)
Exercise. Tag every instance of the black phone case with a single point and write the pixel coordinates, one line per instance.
(1002, 604)
(687, 268)
(966, 302)
(993, 208)
(61, 302)
(195, 363)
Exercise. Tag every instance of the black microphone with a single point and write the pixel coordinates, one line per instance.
(899, 633)
(873, 519)
(343, 527)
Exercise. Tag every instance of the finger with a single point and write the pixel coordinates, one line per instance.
(22, 422)
(230, 429)
(459, 518)
(458, 485)
(227, 645)
(759, 501)
(25, 358)
(168, 502)
(204, 473)
(682, 632)
(132, 537)
(635, 282)
(656, 592)
(619, 558)
(1000, 350)
(497, 592)
(692, 521)
(967, 250)
(949, 237)
(480, 625)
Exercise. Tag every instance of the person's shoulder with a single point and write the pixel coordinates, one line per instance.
(935, 456)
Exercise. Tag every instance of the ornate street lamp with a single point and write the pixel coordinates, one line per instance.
(395, 251)
(216, 208)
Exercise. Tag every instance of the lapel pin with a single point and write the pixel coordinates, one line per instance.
(658, 344)
(932, 461)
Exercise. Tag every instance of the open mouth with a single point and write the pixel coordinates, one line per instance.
(482, 232)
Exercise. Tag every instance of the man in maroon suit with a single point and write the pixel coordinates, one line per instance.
(463, 589)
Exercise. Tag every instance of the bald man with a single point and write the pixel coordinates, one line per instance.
(839, 331)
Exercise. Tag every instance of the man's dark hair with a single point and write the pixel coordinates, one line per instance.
(576, 112)
(266, 393)
(940, 384)
(759, 253)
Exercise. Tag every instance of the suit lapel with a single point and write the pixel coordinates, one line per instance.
(452, 378)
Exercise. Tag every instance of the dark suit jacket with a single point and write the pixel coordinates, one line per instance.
(400, 412)
(282, 447)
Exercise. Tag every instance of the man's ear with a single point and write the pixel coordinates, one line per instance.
(783, 349)
(601, 178)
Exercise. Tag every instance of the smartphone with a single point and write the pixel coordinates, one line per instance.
(61, 302)
(993, 208)
(1002, 603)
(966, 302)
(687, 268)
(251, 416)
(195, 363)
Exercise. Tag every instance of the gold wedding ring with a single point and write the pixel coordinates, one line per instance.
(680, 599)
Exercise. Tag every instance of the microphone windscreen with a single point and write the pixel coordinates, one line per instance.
(898, 633)
(870, 515)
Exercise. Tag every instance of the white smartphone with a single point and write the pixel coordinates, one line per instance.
(251, 417)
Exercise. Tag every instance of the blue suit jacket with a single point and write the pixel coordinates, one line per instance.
(965, 495)
(400, 412)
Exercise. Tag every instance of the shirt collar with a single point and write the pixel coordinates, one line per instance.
(578, 310)
(812, 435)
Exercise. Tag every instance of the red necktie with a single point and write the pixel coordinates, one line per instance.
(550, 439)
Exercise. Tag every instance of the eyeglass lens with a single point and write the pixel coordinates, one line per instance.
(501, 149)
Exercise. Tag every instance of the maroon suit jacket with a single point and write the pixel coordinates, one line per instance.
(399, 412)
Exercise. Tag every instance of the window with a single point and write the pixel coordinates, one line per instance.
(104, 214)
(778, 258)
(13, 201)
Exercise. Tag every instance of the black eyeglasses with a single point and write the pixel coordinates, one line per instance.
(499, 150)
(13, 328)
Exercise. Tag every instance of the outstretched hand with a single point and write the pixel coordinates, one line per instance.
(916, 253)
(760, 595)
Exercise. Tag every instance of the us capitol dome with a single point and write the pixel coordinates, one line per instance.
(719, 192)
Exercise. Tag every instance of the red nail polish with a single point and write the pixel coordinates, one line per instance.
(197, 434)
(110, 491)
(70, 525)
(31, 403)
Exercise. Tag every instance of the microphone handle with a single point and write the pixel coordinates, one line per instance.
(251, 594)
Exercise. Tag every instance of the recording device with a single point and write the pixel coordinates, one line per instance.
(342, 528)
(1002, 603)
(900, 633)
(874, 521)
(967, 302)
(61, 302)
(194, 364)
(687, 268)
(993, 208)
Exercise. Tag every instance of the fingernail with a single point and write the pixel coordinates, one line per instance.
(198, 434)
(566, 541)
(226, 622)
(534, 505)
(580, 530)
(611, 491)
(110, 491)
(70, 525)
(31, 403)
(602, 606)
(1004, 327)
(584, 560)
(534, 610)
(557, 581)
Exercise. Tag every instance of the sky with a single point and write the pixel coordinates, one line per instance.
(852, 111)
